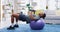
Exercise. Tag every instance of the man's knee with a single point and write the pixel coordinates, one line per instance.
(15, 15)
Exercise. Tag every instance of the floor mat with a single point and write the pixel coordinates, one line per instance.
(26, 28)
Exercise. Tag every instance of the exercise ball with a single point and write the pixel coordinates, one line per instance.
(37, 25)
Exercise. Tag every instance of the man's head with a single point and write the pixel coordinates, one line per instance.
(42, 15)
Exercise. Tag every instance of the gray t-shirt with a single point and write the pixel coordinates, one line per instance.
(36, 16)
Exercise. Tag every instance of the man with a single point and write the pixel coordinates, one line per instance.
(22, 17)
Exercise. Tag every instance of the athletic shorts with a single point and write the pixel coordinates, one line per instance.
(24, 18)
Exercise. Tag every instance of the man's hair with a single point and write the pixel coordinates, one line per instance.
(44, 15)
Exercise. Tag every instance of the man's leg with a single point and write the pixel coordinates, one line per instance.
(16, 16)
(12, 21)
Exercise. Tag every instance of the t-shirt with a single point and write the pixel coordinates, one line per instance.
(36, 16)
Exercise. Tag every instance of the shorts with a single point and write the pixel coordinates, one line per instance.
(24, 18)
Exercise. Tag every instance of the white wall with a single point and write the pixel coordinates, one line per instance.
(0, 10)
(52, 5)
(41, 4)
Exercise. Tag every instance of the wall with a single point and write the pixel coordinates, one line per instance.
(0, 10)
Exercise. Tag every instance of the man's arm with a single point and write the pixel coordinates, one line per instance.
(31, 15)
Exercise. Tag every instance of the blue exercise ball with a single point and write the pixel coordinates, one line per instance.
(37, 25)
